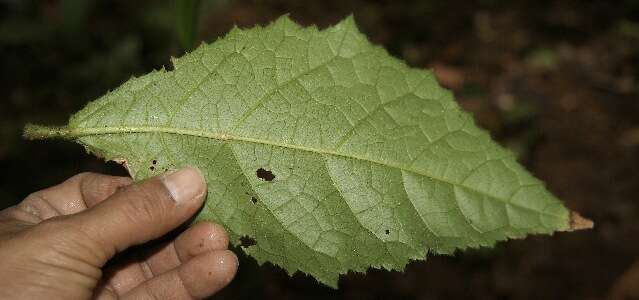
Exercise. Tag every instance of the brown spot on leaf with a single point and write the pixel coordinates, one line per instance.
(577, 222)
(247, 241)
(265, 174)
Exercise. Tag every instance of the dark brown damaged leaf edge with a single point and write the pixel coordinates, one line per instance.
(38, 132)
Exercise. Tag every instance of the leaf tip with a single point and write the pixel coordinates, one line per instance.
(577, 222)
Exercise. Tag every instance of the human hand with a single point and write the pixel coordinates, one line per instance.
(56, 243)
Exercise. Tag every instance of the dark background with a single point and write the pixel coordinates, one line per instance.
(556, 81)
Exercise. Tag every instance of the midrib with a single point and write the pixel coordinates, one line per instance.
(72, 133)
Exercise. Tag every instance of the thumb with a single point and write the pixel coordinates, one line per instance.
(141, 212)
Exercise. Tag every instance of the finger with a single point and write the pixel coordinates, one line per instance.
(71, 196)
(124, 276)
(198, 239)
(141, 212)
(98, 187)
(200, 277)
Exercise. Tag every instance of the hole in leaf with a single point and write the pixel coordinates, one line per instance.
(254, 200)
(387, 231)
(247, 241)
(154, 162)
(151, 168)
(265, 174)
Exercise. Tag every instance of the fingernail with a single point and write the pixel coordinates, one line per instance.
(185, 184)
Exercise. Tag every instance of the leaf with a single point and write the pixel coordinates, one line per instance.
(322, 153)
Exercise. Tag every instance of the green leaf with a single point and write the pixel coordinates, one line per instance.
(322, 150)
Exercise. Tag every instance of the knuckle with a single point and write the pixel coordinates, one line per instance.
(35, 196)
(63, 236)
(37, 205)
(143, 205)
(83, 177)
(98, 186)
(104, 188)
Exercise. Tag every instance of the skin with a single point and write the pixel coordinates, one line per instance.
(69, 241)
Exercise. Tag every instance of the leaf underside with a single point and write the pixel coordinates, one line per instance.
(325, 152)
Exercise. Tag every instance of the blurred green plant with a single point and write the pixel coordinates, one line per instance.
(628, 28)
(74, 14)
(186, 22)
(542, 58)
